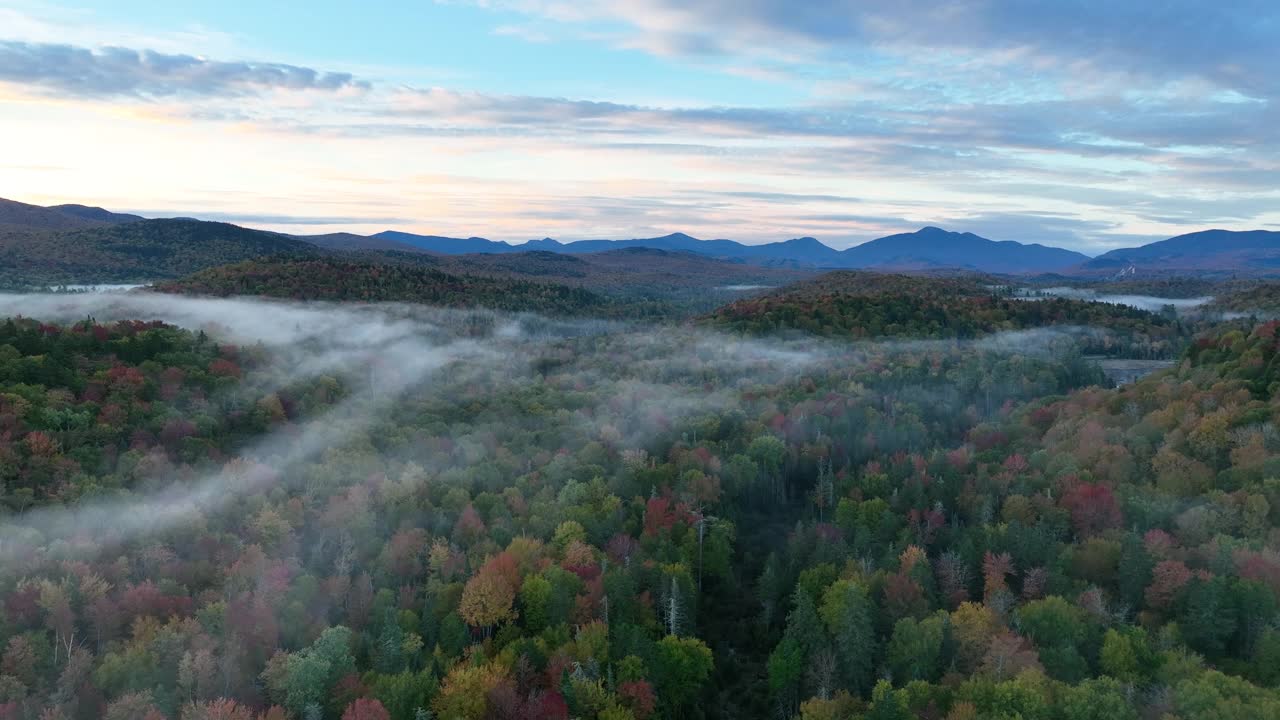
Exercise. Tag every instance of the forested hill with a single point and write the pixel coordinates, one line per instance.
(338, 279)
(134, 251)
(867, 305)
(1261, 298)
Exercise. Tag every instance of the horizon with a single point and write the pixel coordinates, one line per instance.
(660, 235)
(622, 121)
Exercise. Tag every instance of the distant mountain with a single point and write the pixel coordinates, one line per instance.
(806, 252)
(927, 249)
(801, 249)
(631, 270)
(930, 249)
(933, 247)
(16, 215)
(95, 214)
(1251, 252)
(134, 252)
(446, 245)
(673, 242)
(351, 241)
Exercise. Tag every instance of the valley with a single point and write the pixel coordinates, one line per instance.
(279, 480)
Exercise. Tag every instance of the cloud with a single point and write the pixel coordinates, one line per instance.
(123, 72)
(1145, 117)
(1229, 45)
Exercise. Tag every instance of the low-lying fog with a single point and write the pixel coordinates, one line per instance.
(641, 379)
(1142, 302)
(1139, 301)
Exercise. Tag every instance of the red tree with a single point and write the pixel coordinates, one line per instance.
(1093, 508)
(366, 709)
(1167, 579)
(638, 695)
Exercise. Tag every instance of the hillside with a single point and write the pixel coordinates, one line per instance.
(133, 252)
(629, 271)
(631, 283)
(333, 279)
(650, 281)
(862, 305)
(1257, 298)
(1254, 252)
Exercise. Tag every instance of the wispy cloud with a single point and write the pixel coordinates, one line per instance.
(1229, 45)
(116, 71)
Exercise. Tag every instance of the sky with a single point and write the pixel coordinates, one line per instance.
(1087, 124)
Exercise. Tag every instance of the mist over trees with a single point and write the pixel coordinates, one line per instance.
(896, 503)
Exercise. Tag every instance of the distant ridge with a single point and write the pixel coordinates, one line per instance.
(96, 214)
(446, 245)
(1253, 251)
(18, 215)
(930, 249)
(935, 247)
(131, 252)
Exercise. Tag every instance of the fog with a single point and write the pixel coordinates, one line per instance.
(1141, 302)
(390, 354)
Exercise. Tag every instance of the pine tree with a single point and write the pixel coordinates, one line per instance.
(848, 614)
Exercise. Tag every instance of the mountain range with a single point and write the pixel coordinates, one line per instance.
(101, 234)
(929, 248)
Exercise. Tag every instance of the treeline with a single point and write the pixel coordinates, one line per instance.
(1260, 298)
(331, 279)
(865, 306)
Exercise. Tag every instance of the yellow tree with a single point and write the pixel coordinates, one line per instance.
(487, 600)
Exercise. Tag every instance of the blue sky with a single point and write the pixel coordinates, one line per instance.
(1081, 123)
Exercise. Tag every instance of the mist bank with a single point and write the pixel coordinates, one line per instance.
(1142, 302)
(637, 386)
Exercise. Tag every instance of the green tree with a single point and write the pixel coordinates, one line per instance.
(888, 704)
(312, 672)
(848, 613)
(915, 649)
(535, 596)
(681, 666)
(1208, 616)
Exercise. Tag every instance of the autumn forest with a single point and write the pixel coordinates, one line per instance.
(266, 493)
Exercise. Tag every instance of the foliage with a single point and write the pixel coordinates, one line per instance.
(881, 531)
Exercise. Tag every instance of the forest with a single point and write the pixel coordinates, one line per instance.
(320, 490)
